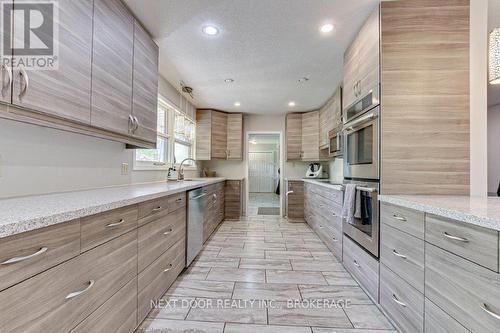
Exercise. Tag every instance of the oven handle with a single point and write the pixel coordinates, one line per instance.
(351, 128)
(364, 189)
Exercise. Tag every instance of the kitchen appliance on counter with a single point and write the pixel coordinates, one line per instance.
(361, 151)
(315, 170)
(194, 236)
(336, 139)
(364, 228)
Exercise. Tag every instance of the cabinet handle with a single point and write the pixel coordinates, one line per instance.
(168, 268)
(398, 254)
(156, 209)
(395, 299)
(288, 193)
(178, 200)
(334, 239)
(168, 231)
(460, 239)
(356, 263)
(9, 76)
(111, 225)
(399, 218)
(26, 80)
(131, 123)
(18, 259)
(484, 306)
(136, 121)
(78, 293)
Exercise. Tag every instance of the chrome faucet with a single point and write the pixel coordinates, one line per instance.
(180, 174)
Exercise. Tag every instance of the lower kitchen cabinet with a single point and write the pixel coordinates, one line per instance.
(295, 200)
(233, 199)
(214, 207)
(438, 321)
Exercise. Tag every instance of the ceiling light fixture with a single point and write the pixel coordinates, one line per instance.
(325, 28)
(229, 80)
(291, 104)
(210, 30)
(303, 79)
(237, 103)
(494, 57)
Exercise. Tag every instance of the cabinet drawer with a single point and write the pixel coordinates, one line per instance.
(362, 265)
(464, 290)
(329, 194)
(60, 298)
(332, 237)
(477, 244)
(100, 228)
(118, 314)
(404, 255)
(402, 302)
(438, 321)
(150, 209)
(176, 201)
(27, 254)
(406, 220)
(158, 236)
(157, 277)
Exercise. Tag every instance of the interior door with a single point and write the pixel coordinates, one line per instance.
(63, 91)
(262, 172)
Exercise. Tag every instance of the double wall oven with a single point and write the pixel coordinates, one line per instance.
(361, 134)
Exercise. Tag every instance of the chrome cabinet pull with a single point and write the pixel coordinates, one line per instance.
(214, 196)
(399, 218)
(484, 306)
(111, 225)
(19, 259)
(78, 293)
(26, 80)
(168, 268)
(131, 123)
(156, 209)
(288, 193)
(6, 85)
(178, 200)
(136, 121)
(395, 299)
(356, 263)
(334, 239)
(398, 254)
(168, 231)
(460, 239)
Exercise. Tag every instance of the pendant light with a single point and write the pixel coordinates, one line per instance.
(494, 50)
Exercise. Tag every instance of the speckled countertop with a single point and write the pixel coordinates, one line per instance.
(483, 212)
(323, 182)
(33, 212)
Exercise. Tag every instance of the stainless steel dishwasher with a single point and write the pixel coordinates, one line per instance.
(194, 242)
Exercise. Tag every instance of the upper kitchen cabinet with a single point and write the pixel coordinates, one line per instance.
(145, 85)
(303, 136)
(294, 137)
(310, 136)
(362, 64)
(218, 135)
(64, 91)
(330, 117)
(113, 50)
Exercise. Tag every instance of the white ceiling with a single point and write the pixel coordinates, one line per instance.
(493, 22)
(264, 45)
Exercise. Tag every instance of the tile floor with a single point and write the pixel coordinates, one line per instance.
(256, 200)
(263, 274)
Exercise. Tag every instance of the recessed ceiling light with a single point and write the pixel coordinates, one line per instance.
(325, 28)
(229, 80)
(303, 79)
(237, 103)
(210, 30)
(291, 104)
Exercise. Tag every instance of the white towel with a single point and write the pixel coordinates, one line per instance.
(349, 202)
(357, 205)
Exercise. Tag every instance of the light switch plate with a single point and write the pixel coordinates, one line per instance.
(124, 169)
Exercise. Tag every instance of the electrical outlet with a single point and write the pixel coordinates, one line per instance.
(124, 169)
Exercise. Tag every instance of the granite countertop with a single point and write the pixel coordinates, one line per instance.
(33, 212)
(483, 212)
(322, 182)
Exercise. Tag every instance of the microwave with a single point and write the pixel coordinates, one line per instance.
(336, 141)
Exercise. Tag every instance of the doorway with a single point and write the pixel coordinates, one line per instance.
(264, 181)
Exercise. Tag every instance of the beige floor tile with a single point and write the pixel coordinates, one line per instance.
(216, 262)
(208, 253)
(195, 273)
(264, 246)
(171, 307)
(247, 328)
(339, 278)
(346, 294)
(337, 330)
(280, 264)
(297, 277)
(281, 314)
(323, 255)
(317, 265)
(197, 288)
(241, 253)
(237, 274)
(266, 291)
(230, 311)
(179, 326)
(287, 254)
(367, 316)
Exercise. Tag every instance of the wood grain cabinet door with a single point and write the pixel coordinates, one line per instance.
(369, 55)
(293, 137)
(219, 135)
(310, 136)
(145, 84)
(203, 135)
(351, 63)
(112, 66)
(235, 136)
(65, 90)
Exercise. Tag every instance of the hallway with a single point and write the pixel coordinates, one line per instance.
(262, 200)
(282, 267)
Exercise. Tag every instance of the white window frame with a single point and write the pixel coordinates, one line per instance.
(191, 145)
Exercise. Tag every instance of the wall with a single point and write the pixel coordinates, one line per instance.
(38, 160)
(493, 149)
